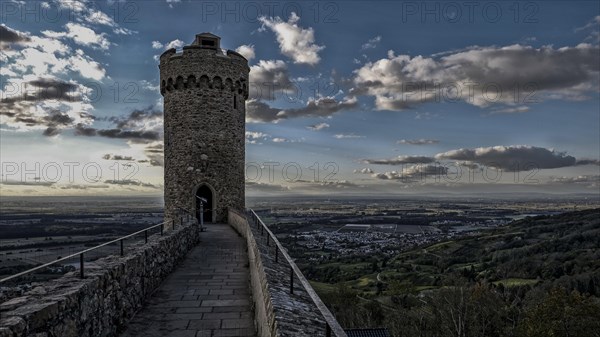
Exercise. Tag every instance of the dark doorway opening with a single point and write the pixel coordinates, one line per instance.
(204, 192)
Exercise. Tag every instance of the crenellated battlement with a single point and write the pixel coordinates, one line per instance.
(204, 82)
(172, 53)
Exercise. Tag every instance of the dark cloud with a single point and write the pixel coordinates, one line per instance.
(581, 162)
(511, 158)
(58, 118)
(136, 117)
(26, 183)
(109, 156)
(413, 173)
(127, 182)
(269, 78)
(259, 111)
(126, 134)
(81, 187)
(155, 154)
(18, 108)
(51, 131)
(418, 141)
(44, 89)
(400, 160)
(140, 126)
(82, 130)
(8, 35)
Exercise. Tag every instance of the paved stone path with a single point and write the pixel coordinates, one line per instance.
(207, 295)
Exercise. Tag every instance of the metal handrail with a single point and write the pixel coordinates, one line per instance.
(81, 253)
(332, 323)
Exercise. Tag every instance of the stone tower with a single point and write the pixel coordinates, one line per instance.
(204, 89)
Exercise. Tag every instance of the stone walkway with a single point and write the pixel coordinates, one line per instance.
(207, 295)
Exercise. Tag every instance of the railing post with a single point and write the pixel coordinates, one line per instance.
(146, 235)
(291, 280)
(162, 228)
(327, 330)
(173, 226)
(181, 221)
(122, 249)
(276, 254)
(268, 236)
(81, 272)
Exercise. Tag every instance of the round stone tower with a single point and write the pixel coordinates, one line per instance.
(204, 90)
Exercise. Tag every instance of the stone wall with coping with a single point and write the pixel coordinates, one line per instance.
(113, 289)
(278, 313)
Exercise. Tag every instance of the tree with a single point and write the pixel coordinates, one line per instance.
(560, 314)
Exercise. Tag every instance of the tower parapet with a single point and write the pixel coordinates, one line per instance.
(204, 89)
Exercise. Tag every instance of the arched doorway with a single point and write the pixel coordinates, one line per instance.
(205, 192)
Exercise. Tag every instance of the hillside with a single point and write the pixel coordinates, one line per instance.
(539, 276)
(559, 249)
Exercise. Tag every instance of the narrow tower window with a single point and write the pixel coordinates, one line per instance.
(235, 102)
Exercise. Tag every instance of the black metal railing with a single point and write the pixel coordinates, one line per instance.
(82, 254)
(331, 324)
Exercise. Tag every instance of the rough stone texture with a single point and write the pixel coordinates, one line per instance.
(204, 93)
(208, 294)
(278, 312)
(101, 304)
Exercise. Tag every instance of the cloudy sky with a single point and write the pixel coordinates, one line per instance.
(347, 98)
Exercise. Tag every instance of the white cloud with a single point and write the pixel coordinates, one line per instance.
(512, 110)
(171, 2)
(100, 18)
(81, 35)
(254, 137)
(175, 44)
(157, 45)
(365, 170)
(318, 127)
(347, 136)
(247, 51)
(483, 76)
(594, 27)
(372, 43)
(590, 180)
(47, 56)
(86, 66)
(294, 41)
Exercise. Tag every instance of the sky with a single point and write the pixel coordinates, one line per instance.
(346, 97)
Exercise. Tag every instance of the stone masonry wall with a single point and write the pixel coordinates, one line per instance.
(101, 304)
(278, 313)
(204, 94)
(264, 318)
